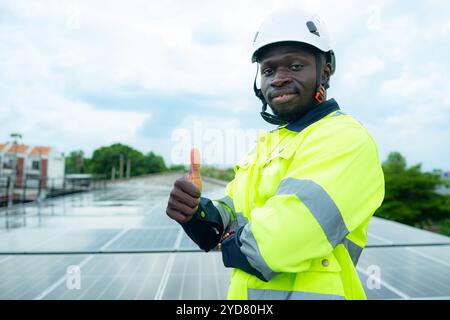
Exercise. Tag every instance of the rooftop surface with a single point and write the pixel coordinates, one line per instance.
(127, 248)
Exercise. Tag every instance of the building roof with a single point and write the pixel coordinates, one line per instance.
(23, 148)
(18, 148)
(40, 150)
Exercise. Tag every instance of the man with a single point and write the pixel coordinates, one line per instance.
(294, 219)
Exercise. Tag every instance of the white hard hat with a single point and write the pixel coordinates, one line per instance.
(294, 25)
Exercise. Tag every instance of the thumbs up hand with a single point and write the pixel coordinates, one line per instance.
(194, 172)
(185, 195)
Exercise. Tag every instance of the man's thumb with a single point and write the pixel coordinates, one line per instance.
(194, 172)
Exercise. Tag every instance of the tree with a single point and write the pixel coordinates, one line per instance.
(105, 158)
(216, 173)
(154, 163)
(178, 167)
(76, 163)
(395, 163)
(410, 194)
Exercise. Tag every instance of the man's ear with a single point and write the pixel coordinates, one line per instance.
(326, 74)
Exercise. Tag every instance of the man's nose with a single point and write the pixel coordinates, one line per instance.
(281, 78)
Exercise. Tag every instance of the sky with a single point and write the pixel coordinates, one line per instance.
(163, 76)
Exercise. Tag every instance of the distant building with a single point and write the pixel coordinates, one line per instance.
(34, 164)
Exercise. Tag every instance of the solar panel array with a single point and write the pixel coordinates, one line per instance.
(127, 248)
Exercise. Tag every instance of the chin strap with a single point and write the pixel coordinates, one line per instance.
(270, 118)
(319, 96)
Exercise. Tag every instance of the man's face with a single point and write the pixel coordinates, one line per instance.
(288, 79)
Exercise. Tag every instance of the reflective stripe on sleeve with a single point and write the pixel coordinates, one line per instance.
(320, 204)
(241, 220)
(228, 202)
(224, 214)
(250, 249)
(225, 206)
(353, 250)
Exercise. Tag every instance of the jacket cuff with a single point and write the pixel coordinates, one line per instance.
(206, 227)
(233, 257)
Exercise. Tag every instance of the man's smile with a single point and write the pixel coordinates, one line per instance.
(284, 98)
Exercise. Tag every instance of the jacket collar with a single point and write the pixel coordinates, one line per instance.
(315, 114)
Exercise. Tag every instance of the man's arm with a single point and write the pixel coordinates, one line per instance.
(333, 185)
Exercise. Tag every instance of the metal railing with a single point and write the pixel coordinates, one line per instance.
(34, 192)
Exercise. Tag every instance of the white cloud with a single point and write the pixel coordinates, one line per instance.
(427, 84)
(421, 134)
(148, 44)
(51, 52)
(407, 86)
(48, 119)
(359, 70)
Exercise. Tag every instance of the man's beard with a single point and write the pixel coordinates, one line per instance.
(293, 115)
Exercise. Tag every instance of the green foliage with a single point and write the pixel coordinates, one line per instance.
(221, 174)
(105, 158)
(410, 195)
(395, 163)
(444, 227)
(178, 167)
(208, 171)
(76, 163)
(153, 163)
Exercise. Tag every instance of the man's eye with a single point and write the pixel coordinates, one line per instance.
(267, 71)
(296, 67)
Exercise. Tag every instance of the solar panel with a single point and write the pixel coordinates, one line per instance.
(374, 240)
(385, 232)
(118, 276)
(197, 276)
(441, 254)
(376, 293)
(85, 222)
(77, 240)
(411, 274)
(116, 203)
(121, 226)
(21, 240)
(103, 211)
(159, 219)
(187, 244)
(146, 239)
(27, 276)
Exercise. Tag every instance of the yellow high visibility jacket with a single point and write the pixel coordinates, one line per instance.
(302, 201)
